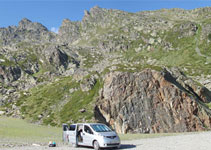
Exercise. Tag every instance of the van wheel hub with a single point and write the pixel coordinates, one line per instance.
(96, 145)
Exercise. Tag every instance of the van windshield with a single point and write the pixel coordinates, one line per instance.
(100, 128)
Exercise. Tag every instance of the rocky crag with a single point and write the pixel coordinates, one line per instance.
(150, 102)
(143, 72)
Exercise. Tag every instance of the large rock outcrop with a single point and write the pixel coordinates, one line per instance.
(60, 58)
(149, 102)
(69, 31)
(9, 74)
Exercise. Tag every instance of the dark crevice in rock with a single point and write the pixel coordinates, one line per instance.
(168, 76)
(98, 115)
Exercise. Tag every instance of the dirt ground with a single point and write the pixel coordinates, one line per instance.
(192, 141)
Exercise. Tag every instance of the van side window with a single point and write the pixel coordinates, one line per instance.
(72, 127)
(65, 127)
(87, 130)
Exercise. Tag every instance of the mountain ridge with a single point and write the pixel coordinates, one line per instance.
(44, 75)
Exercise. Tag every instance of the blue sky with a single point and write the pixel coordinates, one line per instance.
(51, 12)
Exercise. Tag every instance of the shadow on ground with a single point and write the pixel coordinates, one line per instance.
(123, 146)
(127, 146)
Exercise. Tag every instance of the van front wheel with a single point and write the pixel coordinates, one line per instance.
(96, 145)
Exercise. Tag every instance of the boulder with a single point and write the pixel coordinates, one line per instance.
(151, 41)
(9, 74)
(88, 84)
(56, 56)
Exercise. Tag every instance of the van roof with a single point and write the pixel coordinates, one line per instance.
(85, 123)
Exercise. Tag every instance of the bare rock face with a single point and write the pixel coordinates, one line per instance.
(55, 56)
(188, 29)
(69, 31)
(177, 77)
(9, 74)
(59, 58)
(149, 102)
(26, 24)
(88, 84)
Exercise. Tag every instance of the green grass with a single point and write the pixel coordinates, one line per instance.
(6, 62)
(78, 101)
(90, 60)
(184, 57)
(136, 68)
(205, 48)
(208, 105)
(57, 104)
(44, 98)
(40, 74)
(19, 131)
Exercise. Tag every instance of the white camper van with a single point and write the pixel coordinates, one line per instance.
(95, 135)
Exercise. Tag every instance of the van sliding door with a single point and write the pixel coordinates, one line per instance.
(72, 134)
(65, 133)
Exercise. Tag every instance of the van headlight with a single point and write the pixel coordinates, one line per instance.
(102, 135)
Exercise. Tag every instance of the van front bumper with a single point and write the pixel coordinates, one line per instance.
(105, 145)
(106, 142)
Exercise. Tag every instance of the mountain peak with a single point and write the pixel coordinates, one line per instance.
(29, 25)
(24, 22)
(65, 22)
(95, 8)
(94, 12)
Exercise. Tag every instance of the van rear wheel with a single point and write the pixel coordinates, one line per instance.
(75, 145)
(96, 145)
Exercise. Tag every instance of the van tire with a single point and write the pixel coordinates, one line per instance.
(75, 145)
(118, 147)
(96, 145)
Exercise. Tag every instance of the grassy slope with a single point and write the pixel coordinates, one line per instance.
(19, 131)
(57, 105)
(184, 55)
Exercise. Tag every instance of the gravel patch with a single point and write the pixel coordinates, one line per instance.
(192, 141)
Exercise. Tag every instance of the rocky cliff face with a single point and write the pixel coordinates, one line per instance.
(149, 102)
(69, 31)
